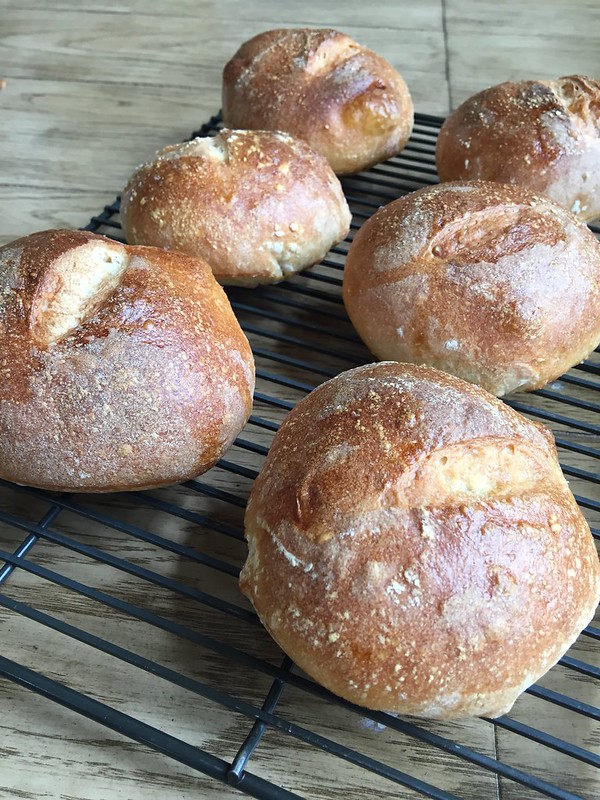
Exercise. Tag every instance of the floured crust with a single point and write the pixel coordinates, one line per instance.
(414, 547)
(140, 382)
(483, 280)
(347, 102)
(257, 205)
(543, 135)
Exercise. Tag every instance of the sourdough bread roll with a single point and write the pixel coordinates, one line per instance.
(346, 101)
(414, 547)
(257, 205)
(483, 280)
(543, 135)
(121, 367)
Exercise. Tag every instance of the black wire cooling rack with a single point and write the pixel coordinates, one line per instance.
(90, 554)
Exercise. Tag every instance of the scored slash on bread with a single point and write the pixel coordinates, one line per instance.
(73, 286)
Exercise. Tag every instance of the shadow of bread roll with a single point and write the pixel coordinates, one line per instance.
(482, 280)
(121, 367)
(257, 205)
(414, 546)
(346, 101)
(543, 135)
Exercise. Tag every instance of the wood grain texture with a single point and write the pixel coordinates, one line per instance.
(92, 90)
(490, 43)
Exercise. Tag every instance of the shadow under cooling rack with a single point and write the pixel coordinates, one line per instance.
(133, 598)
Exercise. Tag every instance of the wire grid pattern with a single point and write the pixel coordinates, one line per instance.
(300, 336)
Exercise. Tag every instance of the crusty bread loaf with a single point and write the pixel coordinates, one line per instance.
(414, 547)
(483, 280)
(544, 135)
(257, 205)
(347, 102)
(121, 367)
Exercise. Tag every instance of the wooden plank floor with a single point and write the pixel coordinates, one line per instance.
(92, 89)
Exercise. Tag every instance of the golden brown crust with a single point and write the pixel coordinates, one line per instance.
(145, 384)
(414, 547)
(543, 135)
(483, 280)
(257, 205)
(347, 102)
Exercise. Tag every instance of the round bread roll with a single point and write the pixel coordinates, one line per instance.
(544, 135)
(414, 547)
(121, 367)
(347, 102)
(257, 205)
(483, 280)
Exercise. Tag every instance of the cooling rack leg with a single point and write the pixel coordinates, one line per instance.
(235, 772)
(138, 731)
(7, 570)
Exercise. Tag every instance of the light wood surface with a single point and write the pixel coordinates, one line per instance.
(92, 89)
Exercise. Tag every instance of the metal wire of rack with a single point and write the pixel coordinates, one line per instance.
(300, 336)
